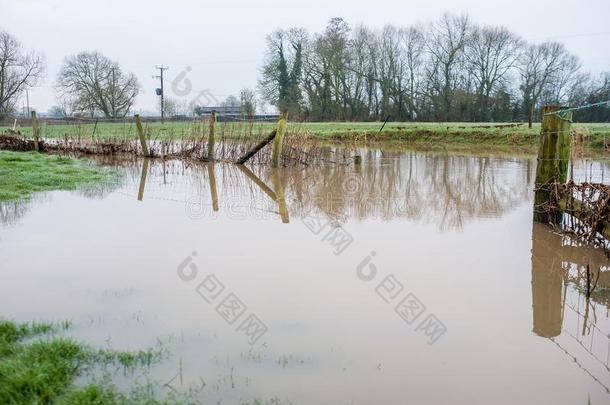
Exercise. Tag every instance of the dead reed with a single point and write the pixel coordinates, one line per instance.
(232, 140)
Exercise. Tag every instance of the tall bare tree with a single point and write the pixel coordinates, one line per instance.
(96, 83)
(492, 53)
(248, 102)
(543, 66)
(447, 39)
(18, 71)
(413, 43)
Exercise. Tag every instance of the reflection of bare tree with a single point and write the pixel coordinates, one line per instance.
(445, 189)
(448, 190)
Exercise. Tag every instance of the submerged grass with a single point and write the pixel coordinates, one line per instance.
(25, 173)
(36, 368)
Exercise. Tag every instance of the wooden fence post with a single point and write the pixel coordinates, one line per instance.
(141, 135)
(35, 131)
(277, 143)
(211, 139)
(553, 157)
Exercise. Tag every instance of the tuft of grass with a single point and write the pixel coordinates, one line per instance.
(36, 371)
(91, 394)
(25, 173)
(43, 370)
(128, 359)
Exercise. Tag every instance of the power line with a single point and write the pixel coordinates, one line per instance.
(582, 107)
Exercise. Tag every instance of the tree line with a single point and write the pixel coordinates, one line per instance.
(448, 70)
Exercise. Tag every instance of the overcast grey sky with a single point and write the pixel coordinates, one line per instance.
(223, 41)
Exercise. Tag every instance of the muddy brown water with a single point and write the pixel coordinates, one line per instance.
(414, 278)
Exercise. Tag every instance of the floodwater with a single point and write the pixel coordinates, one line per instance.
(415, 278)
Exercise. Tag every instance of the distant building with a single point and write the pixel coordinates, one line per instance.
(223, 110)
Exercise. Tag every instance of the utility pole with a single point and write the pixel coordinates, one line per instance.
(27, 98)
(160, 91)
(242, 102)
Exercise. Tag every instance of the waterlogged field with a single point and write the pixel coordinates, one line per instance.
(431, 133)
(23, 174)
(416, 277)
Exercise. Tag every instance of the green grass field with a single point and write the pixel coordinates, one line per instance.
(485, 134)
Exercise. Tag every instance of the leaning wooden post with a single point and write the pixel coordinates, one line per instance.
(553, 157)
(211, 136)
(141, 135)
(256, 148)
(277, 143)
(35, 131)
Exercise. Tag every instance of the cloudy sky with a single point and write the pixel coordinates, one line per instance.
(222, 42)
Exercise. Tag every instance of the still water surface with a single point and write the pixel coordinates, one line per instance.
(415, 278)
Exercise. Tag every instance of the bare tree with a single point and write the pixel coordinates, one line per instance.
(248, 102)
(18, 71)
(390, 71)
(446, 42)
(542, 67)
(170, 107)
(94, 82)
(360, 83)
(413, 42)
(492, 53)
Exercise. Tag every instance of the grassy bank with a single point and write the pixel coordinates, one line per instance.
(25, 173)
(448, 134)
(37, 366)
(454, 135)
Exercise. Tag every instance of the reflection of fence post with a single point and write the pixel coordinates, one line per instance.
(35, 131)
(143, 179)
(279, 193)
(213, 190)
(258, 181)
(553, 157)
(211, 136)
(547, 282)
(141, 135)
(277, 143)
